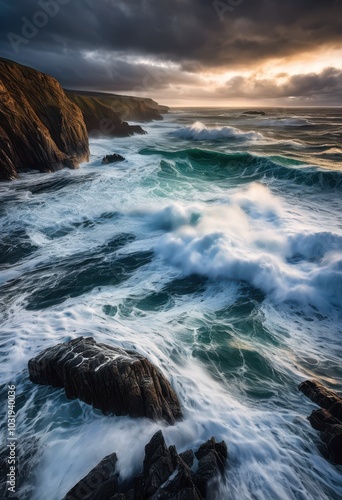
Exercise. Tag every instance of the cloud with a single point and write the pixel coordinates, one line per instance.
(326, 84)
(131, 40)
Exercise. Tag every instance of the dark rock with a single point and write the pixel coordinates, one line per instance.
(332, 437)
(322, 396)
(211, 457)
(100, 484)
(254, 113)
(40, 128)
(124, 496)
(167, 475)
(109, 378)
(321, 419)
(188, 457)
(114, 158)
(181, 486)
(328, 419)
(157, 467)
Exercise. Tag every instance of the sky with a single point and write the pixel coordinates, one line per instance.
(184, 52)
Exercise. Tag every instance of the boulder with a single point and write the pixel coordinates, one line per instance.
(112, 379)
(40, 128)
(332, 437)
(165, 474)
(328, 419)
(324, 397)
(321, 419)
(114, 158)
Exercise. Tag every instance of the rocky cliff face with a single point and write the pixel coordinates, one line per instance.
(40, 128)
(136, 109)
(100, 117)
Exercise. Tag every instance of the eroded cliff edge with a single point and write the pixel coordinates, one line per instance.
(44, 128)
(40, 128)
(136, 109)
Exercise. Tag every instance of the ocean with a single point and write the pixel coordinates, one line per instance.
(215, 250)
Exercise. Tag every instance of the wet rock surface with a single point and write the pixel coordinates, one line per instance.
(114, 158)
(101, 482)
(165, 474)
(327, 420)
(111, 379)
(40, 128)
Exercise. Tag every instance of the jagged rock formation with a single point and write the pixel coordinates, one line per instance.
(114, 158)
(40, 128)
(165, 474)
(328, 420)
(136, 109)
(109, 378)
(101, 482)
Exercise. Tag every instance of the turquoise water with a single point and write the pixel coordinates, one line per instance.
(215, 250)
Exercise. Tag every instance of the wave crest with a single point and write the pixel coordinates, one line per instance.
(247, 240)
(200, 132)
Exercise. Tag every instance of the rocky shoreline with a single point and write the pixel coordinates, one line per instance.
(123, 382)
(40, 129)
(165, 474)
(43, 128)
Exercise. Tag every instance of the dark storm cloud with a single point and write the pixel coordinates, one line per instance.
(322, 85)
(196, 35)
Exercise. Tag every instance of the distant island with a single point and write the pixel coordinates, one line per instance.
(254, 113)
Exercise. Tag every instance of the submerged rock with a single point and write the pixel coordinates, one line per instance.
(109, 378)
(114, 158)
(40, 128)
(254, 113)
(165, 474)
(327, 420)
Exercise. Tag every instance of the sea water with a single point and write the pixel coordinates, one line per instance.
(215, 250)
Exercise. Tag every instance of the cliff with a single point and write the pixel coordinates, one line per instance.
(44, 128)
(136, 109)
(100, 118)
(40, 128)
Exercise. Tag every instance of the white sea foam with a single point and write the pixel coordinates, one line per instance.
(287, 244)
(284, 122)
(200, 132)
(247, 241)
